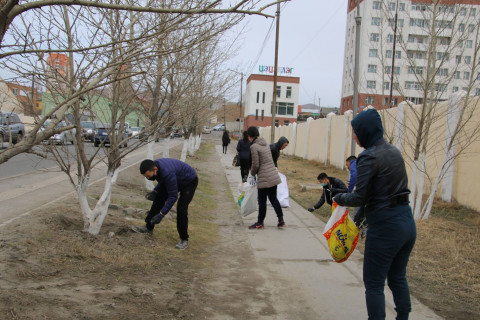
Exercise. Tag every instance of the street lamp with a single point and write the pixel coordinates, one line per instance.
(241, 93)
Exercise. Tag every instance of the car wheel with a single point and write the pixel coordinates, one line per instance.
(19, 137)
(96, 144)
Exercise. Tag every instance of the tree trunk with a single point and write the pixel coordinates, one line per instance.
(421, 183)
(183, 155)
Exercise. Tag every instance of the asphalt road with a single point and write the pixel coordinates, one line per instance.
(28, 182)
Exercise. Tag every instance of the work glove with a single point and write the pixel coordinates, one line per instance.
(253, 180)
(311, 209)
(157, 219)
(151, 195)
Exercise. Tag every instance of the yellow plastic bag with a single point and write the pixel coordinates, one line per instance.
(341, 233)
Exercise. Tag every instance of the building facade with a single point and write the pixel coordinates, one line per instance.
(28, 99)
(259, 100)
(409, 45)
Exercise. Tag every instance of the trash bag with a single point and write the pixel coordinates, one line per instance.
(341, 233)
(282, 192)
(247, 199)
(236, 160)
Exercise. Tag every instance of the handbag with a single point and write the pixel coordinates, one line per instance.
(236, 160)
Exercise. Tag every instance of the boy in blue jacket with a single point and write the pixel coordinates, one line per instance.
(174, 177)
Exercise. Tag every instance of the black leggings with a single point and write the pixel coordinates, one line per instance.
(271, 193)
(186, 196)
(244, 169)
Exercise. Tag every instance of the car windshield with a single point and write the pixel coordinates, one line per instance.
(86, 124)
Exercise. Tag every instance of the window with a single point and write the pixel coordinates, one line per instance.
(460, 44)
(369, 100)
(469, 44)
(390, 38)
(463, 11)
(468, 59)
(371, 84)
(411, 39)
(461, 27)
(256, 114)
(375, 37)
(473, 11)
(396, 70)
(418, 23)
(388, 54)
(455, 89)
(284, 109)
(392, 6)
(15, 91)
(386, 86)
(471, 28)
(441, 87)
(372, 68)
(458, 59)
(263, 98)
(442, 72)
(376, 5)
(477, 91)
(373, 53)
(401, 7)
(415, 70)
(286, 122)
(441, 55)
(279, 91)
(398, 54)
(466, 75)
(276, 123)
(263, 113)
(457, 74)
(375, 21)
(400, 23)
(258, 97)
(289, 92)
(444, 41)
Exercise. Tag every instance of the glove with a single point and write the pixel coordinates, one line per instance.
(151, 195)
(253, 180)
(156, 219)
(311, 209)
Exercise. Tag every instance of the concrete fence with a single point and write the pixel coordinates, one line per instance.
(329, 140)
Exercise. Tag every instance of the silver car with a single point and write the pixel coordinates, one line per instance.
(63, 137)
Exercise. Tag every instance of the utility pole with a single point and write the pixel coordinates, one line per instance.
(241, 102)
(358, 22)
(393, 55)
(224, 121)
(274, 102)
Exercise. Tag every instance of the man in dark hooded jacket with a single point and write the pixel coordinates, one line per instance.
(276, 147)
(381, 188)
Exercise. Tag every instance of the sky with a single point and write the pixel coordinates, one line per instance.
(311, 41)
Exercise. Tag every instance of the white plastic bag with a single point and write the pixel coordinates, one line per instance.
(248, 198)
(282, 192)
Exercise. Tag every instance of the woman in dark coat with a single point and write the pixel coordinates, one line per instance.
(381, 191)
(225, 141)
(243, 149)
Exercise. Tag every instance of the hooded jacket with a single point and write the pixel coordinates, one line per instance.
(336, 186)
(381, 175)
(262, 165)
(243, 149)
(276, 147)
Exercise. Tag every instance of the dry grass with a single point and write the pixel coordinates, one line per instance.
(444, 268)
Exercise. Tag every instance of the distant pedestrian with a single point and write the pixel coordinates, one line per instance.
(243, 149)
(276, 147)
(173, 177)
(331, 187)
(381, 189)
(263, 167)
(225, 141)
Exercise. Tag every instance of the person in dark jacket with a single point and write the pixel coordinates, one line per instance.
(225, 141)
(331, 187)
(381, 189)
(276, 147)
(173, 177)
(351, 164)
(243, 149)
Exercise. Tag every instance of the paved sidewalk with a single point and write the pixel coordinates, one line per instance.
(299, 255)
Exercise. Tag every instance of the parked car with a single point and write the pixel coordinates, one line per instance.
(219, 127)
(88, 129)
(176, 133)
(63, 137)
(135, 131)
(102, 136)
(10, 124)
(207, 130)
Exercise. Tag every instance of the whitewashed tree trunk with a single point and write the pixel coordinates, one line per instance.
(413, 184)
(421, 183)
(346, 125)
(166, 147)
(93, 219)
(191, 145)
(183, 155)
(151, 143)
(400, 126)
(198, 141)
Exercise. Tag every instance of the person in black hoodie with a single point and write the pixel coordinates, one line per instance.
(225, 141)
(276, 147)
(243, 149)
(381, 190)
(331, 187)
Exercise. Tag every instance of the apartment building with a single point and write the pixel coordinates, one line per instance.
(259, 100)
(434, 48)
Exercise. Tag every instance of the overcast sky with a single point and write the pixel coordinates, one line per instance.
(312, 40)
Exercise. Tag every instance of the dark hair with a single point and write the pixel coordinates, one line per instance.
(351, 158)
(253, 132)
(146, 165)
(322, 176)
(245, 136)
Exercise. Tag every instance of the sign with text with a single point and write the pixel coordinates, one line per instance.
(280, 70)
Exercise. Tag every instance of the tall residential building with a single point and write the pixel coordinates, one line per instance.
(259, 100)
(435, 45)
(57, 72)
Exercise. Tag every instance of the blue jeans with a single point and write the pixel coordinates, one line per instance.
(271, 193)
(387, 250)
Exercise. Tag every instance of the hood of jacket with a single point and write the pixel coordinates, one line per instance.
(260, 141)
(281, 142)
(368, 127)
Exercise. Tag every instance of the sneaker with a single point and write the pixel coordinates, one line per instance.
(281, 224)
(143, 229)
(183, 244)
(256, 225)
